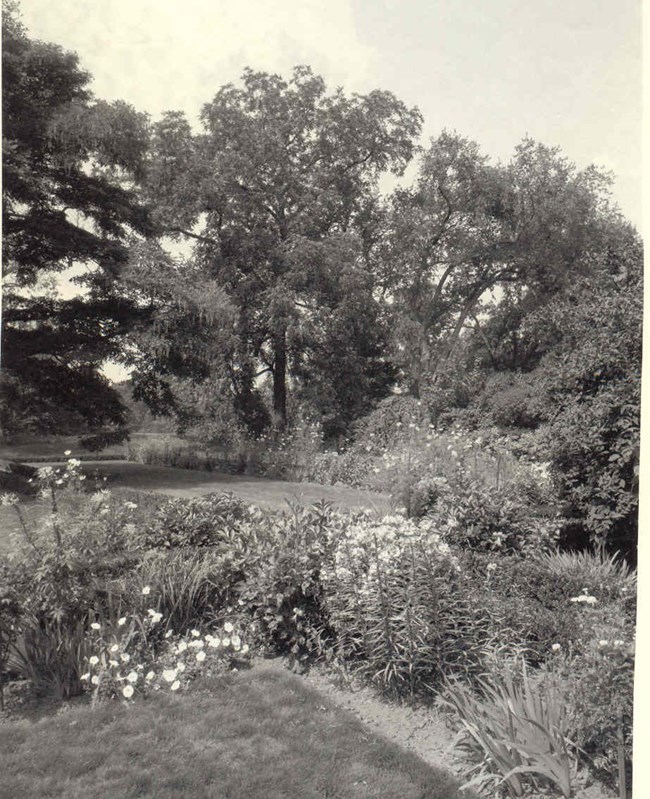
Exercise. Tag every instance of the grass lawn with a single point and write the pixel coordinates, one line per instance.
(25, 447)
(255, 735)
(266, 493)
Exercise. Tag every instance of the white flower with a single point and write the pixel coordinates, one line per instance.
(196, 644)
(618, 642)
(85, 676)
(114, 648)
(195, 633)
(94, 679)
(214, 642)
(150, 675)
(113, 663)
(603, 642)
(225, 641)
(156, 617)
(180, 667)
(93, 660)
(245, 649)
(146, 590)
(169, 675)
(125, 657)
(132, 676)
(228, 627)
(127, 691)
(556, 647)
(130, 505)
(96, 626)
(121, 622)
(175, 686)
(181, 647)
(236, 641)
(68, 452)
(200, 656)
(169, 633)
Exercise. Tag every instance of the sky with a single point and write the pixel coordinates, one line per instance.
(565, 72)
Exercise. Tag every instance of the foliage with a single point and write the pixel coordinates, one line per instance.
(60, 572)
(471, 515)
(279, 179)
(201, 522)
(400, 607)
(68, 168)
(534, 596)
(283, 590)
(601, 684)
(192, 587)
(9, 618)
(517, 727)
(593, 441)
(467, 228)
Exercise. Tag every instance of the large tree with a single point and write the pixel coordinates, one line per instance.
(469, 232)
(69, 200)
(272, 191)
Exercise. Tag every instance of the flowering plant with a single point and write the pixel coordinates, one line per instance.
(126, 661)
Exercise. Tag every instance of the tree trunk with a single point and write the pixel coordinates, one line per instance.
(280, 377)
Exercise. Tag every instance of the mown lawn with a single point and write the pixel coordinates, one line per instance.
(255, 735)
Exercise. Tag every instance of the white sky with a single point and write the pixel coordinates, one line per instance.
(566, 72)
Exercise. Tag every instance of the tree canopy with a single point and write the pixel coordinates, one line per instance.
(275, 184)
(69, 163)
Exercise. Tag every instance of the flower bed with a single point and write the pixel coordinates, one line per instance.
(125, 598)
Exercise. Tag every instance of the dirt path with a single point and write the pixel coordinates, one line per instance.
(420, 730)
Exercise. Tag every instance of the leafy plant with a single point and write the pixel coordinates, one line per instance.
(200, 522)
(516, 727)
(283, 588)
(400, 607)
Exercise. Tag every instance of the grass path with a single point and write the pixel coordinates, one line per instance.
(256, 735)
(261, 491)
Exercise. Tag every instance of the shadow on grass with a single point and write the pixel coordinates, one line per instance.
(254, 735)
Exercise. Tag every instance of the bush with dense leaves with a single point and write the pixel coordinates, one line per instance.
(283, 590)
(471, 515)
(198, 522)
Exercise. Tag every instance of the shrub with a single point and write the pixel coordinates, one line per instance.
(61, 571)
(200, 522)
(9, 620)
(283, 590)
(601, 681)
(491, 519)
(532, 597)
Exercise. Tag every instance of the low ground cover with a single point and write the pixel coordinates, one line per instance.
(255, 735)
